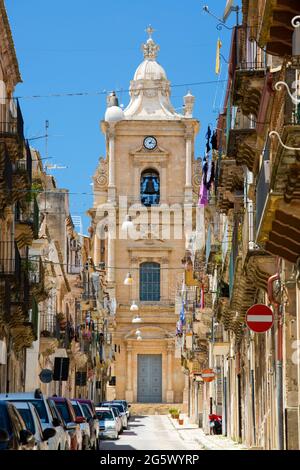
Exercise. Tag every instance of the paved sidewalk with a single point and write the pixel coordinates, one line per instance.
(189, 432)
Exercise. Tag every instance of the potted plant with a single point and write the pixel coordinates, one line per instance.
(180, 420)
(174, 412)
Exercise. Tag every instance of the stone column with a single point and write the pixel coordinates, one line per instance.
(164, 274)
(129, 391)
(170, 391)
(111, 259)
(111, 164)
(188, 163)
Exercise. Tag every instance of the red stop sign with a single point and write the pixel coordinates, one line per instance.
(259, 318)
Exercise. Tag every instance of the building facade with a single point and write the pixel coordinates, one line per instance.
(252, 239)
(147, 175)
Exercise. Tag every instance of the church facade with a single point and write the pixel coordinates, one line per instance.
(141, 190)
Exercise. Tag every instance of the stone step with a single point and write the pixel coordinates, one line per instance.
(140, 409)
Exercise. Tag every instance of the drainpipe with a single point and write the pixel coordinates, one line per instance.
(252, 390)
(279, 378)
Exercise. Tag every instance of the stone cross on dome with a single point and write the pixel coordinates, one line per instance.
(150, 49)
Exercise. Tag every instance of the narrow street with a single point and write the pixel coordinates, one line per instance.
(149, 433)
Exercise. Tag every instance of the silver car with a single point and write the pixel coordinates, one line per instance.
(33, 424)
(60, 441)
(108, 423)
(121, 409)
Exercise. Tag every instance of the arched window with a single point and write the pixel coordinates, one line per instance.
(150, 188)
(150, 282)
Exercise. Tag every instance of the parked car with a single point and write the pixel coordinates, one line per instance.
(121, 410)
(33, 423)
(84, 425)
(48, 417)
(107, 422)
(118, 417)
(70, 421)
(126, 406)
(13, 432)
(90, 414)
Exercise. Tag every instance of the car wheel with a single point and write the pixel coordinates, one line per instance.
(86, 445)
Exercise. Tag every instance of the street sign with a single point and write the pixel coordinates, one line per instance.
(61, 368)
(259, 318)
(46, 376)
(208, 375)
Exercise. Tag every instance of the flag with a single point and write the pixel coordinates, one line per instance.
(218, 57)
(182, 314)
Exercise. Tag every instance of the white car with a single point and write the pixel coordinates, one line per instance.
(84, 425)
(49, 417)
(33, 424)
(108, 424)
(121, 409)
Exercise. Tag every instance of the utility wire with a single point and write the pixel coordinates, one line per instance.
(119, 90)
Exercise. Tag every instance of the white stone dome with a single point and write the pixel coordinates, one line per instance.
(150, 70)
(114, 114)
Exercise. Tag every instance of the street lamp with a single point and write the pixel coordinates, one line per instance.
(137, 319)
(134, 307)
(127, 224)
(128, 280)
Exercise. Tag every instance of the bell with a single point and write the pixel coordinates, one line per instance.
(150, 187)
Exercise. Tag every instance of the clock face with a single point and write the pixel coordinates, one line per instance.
(150, 142)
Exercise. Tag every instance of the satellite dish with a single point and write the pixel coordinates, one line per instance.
(228, 9)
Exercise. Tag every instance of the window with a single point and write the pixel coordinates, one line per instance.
(150, 282)
(150, 188)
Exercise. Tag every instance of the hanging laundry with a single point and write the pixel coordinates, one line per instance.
(203, 195)
(214, 141)
(182, 314)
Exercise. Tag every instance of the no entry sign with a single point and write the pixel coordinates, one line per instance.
(259, 318)
(208, 375)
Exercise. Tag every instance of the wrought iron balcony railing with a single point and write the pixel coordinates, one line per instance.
(10, 260)
(13, 126)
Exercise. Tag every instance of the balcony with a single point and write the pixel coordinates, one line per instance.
(23, 166)
(12, 131)
(242, 139)
(250, 68)
(26, 223)
(278, 208)
(10, 260)
(49, 332)
(6, 178)
(276, 31)
(230, 183)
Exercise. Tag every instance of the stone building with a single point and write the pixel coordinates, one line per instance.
(148, 169)
(252, 247)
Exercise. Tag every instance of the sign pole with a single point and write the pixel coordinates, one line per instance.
(60, 378)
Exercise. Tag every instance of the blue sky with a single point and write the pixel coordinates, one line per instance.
(66, 46)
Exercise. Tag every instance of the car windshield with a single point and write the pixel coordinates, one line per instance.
(27, 417)
(116, 411)
(86, 410)
(41, 409)
(105, 415)
(77, 409)
(116, 405)
(64, 411)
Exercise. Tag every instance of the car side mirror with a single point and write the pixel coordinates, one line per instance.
(48, 433)
(56, 422)
(4, 436)
(70, 426)
(26, 437)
